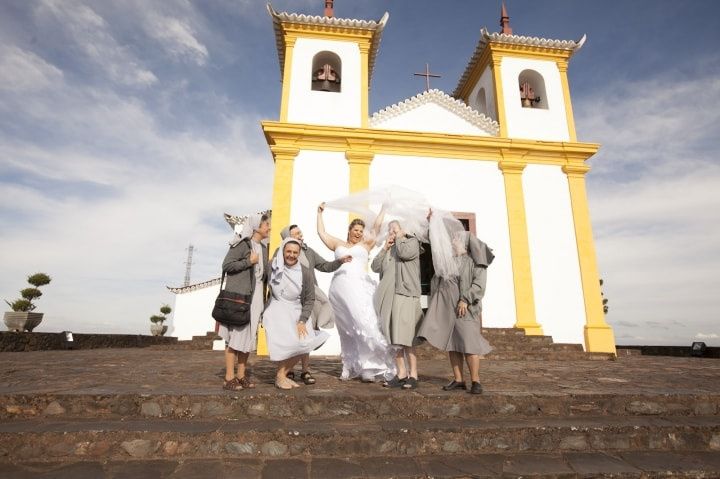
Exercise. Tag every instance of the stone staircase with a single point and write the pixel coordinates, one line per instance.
(553, 418)
(514, 345)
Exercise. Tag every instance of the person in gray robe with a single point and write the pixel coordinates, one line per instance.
(453, 318)
(397, 301)
(246, 266)
(322, 313)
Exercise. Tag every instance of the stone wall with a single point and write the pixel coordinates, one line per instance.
(14, 342)
(678, 351)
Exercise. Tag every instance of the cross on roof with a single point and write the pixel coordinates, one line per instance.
(427, 76)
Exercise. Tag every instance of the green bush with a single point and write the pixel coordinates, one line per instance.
(29, 294)
(159, 318)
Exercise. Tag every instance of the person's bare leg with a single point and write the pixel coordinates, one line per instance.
(242, 363)
(456, 361)
(473, 362)
(305, 363)
(412, 360)
(230, 358)
(400, 363)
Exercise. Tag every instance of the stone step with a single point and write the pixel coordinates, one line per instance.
(43, 440)
(634, 464)
(371, 402)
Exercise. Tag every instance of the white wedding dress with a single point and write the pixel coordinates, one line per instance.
(364, 350)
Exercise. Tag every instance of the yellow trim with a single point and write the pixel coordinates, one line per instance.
(599, 335)
(562, 68)
(328, 33)
(438, 145)
(359, 163)
(519, 246)
(282, 190)
(499, 96)
(287, 71)
(364, 83)
(527, 51)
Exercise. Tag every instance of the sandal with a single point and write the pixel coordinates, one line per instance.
(232, 385)
(246, 383)
(307, 378)
(395, 382)
(291, 375)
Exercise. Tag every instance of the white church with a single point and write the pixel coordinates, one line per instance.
(500, 152)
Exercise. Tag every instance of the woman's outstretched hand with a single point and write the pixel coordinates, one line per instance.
(302, 330)
(321, 208)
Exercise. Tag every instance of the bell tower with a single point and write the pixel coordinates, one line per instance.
(325, 64)
(522, 83)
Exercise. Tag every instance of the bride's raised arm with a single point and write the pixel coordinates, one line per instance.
(375, 231)
(330, 241)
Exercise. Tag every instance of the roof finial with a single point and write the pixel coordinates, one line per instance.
(328, 8)
(505, 21)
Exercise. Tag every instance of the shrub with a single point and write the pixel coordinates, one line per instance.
(25, 304)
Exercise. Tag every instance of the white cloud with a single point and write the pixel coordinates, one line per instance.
(91, 35)
(707, 336)
(655, 204)
(24, 71)
(177, 38)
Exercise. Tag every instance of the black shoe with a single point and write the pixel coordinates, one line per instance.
(454, 385)
(290, 375)
(410, 383)
(476, 388)
(395, 382)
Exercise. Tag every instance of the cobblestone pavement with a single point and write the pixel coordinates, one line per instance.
(173, 372)
(569, 465)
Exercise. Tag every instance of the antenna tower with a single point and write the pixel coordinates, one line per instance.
(188, 265)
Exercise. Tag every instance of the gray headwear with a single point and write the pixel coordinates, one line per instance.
(480, 253)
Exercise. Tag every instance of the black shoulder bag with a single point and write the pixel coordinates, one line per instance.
(231, 309)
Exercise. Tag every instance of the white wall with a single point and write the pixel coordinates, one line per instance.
(320, 107)
(463, 186)
(559, 304)
(534, 123)
(485, 81)
(192, 313)
(432, 117)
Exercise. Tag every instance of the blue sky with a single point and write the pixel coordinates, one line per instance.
(128, 128)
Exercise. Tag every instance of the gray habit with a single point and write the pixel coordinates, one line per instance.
(397, 298)
(442, 327)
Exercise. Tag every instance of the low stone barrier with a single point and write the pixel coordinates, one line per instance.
(15, 342)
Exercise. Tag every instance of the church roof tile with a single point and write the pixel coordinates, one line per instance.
(436, 96)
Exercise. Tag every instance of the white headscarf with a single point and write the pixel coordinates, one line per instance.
(251, 224)
(278, 268)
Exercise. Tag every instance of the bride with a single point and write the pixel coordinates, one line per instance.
(365, 352)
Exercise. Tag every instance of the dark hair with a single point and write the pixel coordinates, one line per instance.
(355, 222)
(264, 218)
(292, 227)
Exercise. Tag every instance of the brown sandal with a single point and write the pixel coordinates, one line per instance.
(307, 378)
(245, 383)
(233, 385)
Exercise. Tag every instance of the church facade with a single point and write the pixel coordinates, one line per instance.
(500, 151)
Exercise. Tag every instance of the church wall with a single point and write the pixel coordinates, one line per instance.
(320, 176)
(534, 123)
(192, 313)
(320, 107)
(559, 305)
(486, 82)
(469, 187)
(432, 117)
